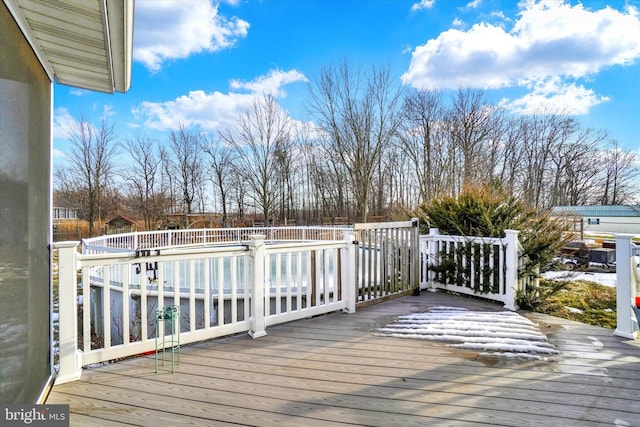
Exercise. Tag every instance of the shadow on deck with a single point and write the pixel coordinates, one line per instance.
(336, 370)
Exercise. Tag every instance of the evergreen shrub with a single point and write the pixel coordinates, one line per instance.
(487, 211)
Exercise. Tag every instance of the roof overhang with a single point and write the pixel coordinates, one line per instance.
(82, 43)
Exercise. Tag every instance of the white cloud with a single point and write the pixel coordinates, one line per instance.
(107, 111)
(498, 14)
(555, 97)
(167, 30)
(424, 4)
(58, 154)
(207, 110)
(270, 84)
(212, 111)
(79, 92)
(473, 4)
(63, 121)
(550, 39)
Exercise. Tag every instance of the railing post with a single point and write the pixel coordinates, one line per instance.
(257, 320)
(349, 271)
(70, 356)
(626, 322)
(414, 264)
(432, 252)
(511, 270)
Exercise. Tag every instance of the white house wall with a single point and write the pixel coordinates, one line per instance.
(613, 225)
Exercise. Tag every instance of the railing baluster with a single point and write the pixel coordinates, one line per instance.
(299, 274)
(206, 293)
(106, 308)
(288, 280)
(258, 284)
(234, 289)
(192, 296)
(126, 280)
(86, 310)
(278, 284)
(220, 296)
(144, 318)
(310, 277)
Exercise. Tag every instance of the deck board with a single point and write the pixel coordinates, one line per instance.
(335, 370)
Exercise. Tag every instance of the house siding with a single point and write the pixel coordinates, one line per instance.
(25, 224)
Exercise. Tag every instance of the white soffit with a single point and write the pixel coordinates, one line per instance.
(82, 43)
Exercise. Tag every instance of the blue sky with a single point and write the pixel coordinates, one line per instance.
(199, 62)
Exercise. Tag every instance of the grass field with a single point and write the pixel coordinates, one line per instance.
(579, 300)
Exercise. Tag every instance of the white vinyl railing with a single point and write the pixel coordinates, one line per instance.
(480, 266)
(220, 291)
(387, 263)
(160, 239)
(227, 281)
(627, 287)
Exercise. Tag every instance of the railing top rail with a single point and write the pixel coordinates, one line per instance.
(105, 259)
(157, 252)
(472, 239)
(213, 248)
(318, 244)
(377, 225)
(162, 239)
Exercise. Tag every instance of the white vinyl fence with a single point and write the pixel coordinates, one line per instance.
(227, 281)
(161, 239)
(486, 267)
(221, 290)
(627, 287)
(387, 263)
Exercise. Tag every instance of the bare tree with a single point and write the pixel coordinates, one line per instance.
(261, 134)
(167, 181)
(360, 116)
(511, 158)
(287, 163)
(576, 164)
(620, 175)
(184, 160)
(92, 159)
(471, 123)
(142, 179)
(423, 118)
(541, 138)
(222, 170)
(239, 194)
(310, 157)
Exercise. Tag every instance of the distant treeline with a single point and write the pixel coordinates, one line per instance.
(369, 147)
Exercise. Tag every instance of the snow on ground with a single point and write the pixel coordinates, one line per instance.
(504, 334)
(605, 279)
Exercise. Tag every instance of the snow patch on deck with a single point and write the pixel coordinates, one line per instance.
(503, 334)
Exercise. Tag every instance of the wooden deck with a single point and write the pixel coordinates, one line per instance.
(335, 370)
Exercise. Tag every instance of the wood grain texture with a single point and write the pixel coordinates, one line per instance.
(335, 370)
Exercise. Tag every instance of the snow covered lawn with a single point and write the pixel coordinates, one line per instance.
(605, 279)
(504, 334)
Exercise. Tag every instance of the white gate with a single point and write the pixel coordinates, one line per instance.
(387, 262)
